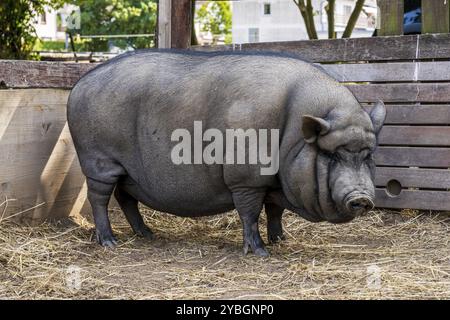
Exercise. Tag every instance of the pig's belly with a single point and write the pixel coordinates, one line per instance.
(181, 199)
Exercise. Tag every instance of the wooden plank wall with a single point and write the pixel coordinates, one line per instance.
(41, 176)
(414, 151)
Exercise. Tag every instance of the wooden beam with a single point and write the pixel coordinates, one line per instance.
(391, 17)
(416, 114)
(402, 92)
(164, 23)
(417, 47)
(38, 74)
(413, 157)
(181, 21)
(414, 177)
(415, 135)
(389, 72)
(414, 199)
(435, 16)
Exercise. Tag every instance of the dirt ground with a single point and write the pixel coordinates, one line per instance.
(383, 255)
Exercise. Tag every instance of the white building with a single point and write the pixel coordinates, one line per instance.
(280, 20)
(51, 25)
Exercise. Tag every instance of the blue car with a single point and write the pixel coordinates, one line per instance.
(412, 21)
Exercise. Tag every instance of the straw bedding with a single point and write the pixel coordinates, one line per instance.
(382, 255)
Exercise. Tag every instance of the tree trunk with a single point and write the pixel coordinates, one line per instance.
(194, 40)
(308, 17)
(310, 11)
(330, 8)
(353, 19)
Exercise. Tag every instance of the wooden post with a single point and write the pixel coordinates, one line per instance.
(181, 24)
(435, 16)
(174, 23)
(391, 17)
(164, 23)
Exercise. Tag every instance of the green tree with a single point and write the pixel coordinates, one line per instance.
(115, 17)
(17, 34)
(307, 11)
(215, 17)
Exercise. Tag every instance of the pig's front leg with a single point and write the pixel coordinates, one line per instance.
(249, 204)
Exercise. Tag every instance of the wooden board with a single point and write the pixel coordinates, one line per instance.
(39, 164)
(413, 157)
(34, 74)
(391, 17)
(417, 47)
(416, 114)
(414, 199)
(404, 92)
(415, 135)
(435, 16)
(414, 178)
(164, 25)
(390, 72)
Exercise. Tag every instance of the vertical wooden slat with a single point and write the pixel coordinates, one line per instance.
(181, 24)
(391, 17)
(435, 16)
(164, 23)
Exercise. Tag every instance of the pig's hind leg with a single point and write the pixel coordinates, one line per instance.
(102, 175)
(129, 206)
(274, 214)
(99, 194)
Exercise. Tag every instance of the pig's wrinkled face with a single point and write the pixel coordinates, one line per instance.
(335, 169)
(346, 182)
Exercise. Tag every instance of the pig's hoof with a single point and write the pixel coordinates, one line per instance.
(274, 238)
(146, 233)
(261, 252)
(108, 241)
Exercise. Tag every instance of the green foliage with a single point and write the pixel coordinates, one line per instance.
(215, 17)
(108, 17)
(17, 34)
(58, 46)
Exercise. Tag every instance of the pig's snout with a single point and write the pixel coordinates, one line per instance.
(359, 205)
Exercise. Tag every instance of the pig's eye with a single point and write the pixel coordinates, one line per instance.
(332, 155)
(368, 157)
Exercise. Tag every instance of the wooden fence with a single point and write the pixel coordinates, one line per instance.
(40, 174)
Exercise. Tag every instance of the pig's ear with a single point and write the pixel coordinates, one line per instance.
(313, 127)
(378, 115)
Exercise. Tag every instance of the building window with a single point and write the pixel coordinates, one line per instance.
(43, 18)
(267, 9)
(253, 35)
(347, 10)
(59, 23)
